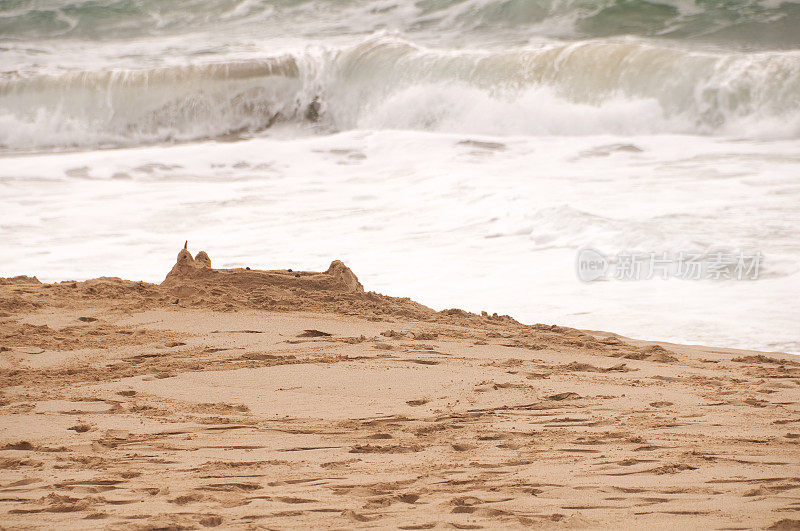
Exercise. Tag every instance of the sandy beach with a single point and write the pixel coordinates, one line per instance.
(284, 399)
(471, 264)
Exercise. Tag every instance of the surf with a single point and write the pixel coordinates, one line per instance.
(615, 86)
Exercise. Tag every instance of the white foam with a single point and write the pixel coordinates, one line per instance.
(536, 111)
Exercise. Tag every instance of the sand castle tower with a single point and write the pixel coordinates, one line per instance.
(186, 265)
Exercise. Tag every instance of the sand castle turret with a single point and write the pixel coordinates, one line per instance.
(201, 259)
(186, 265)
(344, 276)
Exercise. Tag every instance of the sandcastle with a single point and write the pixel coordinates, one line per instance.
(197, 270)
(186, 264)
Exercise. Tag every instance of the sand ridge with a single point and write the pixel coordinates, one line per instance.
(242, 398)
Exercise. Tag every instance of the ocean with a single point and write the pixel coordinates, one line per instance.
(458, 152)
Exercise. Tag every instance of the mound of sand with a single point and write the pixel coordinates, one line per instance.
(193, 283)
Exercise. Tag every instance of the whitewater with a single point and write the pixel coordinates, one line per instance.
(460, 152)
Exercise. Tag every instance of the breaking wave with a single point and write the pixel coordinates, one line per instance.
(615, 86)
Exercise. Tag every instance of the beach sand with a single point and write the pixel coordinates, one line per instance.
(274, 399)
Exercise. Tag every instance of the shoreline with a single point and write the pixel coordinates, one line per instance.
(518, 261)
(295, 398)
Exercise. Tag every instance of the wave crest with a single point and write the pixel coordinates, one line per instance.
(602, 86)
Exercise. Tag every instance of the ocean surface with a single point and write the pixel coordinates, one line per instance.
(459, 152)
